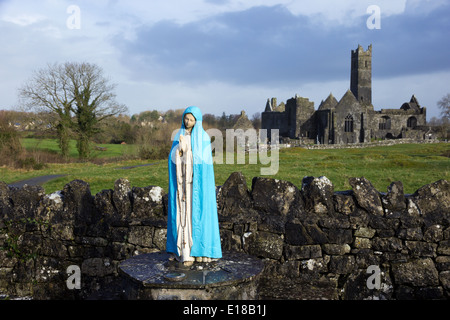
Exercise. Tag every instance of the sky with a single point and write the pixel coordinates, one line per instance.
(232, 55)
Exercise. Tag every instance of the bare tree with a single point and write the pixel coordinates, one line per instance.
(94, 101)
(78, 95)
(48, 91)
(256, 120)
(444, 105)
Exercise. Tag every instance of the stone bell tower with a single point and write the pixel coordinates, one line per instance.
(361, 75)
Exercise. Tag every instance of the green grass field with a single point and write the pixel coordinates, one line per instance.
(413, 164)
(51, 145)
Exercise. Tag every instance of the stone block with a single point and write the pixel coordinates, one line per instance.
(342, 264)
(433, 201)
(366, 195)
(340, 236)
(335, 249)
(443, 263)
(318, 194)
(297, 235)
(362, 243)
(410, 233)
(141, 235)
(343, 203)
(275, 197)
(444, 247)
(394, 199)
(97, 267)
(444, 278)
(302, 252)
(418, 272)
(147, 203)
(421, 249)
(264, 244)
(434, 233)
(364, 232)
(314, 265)
(233, 198)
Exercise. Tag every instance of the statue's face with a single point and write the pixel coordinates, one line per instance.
(189, 121)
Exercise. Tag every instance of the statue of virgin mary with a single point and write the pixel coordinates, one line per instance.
(192, 222)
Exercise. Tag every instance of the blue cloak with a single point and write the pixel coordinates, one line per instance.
(205, 223)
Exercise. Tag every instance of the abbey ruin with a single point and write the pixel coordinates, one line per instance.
(352, 119)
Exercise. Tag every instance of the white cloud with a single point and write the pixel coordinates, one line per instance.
(333, 13)
(23, 19)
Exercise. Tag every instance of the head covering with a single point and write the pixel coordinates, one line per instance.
(205, 223)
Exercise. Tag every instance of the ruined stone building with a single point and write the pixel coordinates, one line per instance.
(352, 119)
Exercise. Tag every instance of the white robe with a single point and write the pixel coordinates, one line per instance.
(184, 163)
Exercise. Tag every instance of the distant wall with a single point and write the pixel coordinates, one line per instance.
(316, 243)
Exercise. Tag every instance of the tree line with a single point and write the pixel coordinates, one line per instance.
(76, 101)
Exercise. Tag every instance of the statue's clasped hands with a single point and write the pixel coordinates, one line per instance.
(182, 145)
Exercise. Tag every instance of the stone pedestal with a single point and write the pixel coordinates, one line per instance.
(152, 276)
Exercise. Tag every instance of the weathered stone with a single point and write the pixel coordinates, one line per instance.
(444, 278)
(343, 203)
(79, 205)
(377, 222)
(302, 252)
(334, 222)
(359, 218)
(289, 268)
(147, 204)
(316, 234)
(419, 272)
(412, 216)
(364, 232)
(410, 233)
(26, 200)
(274, 196)
(365, 258)
(335, 249)
(97, 267)
(107, 211)
(159, 238)
(421, 249)
(121, 197)
(228, 241)
(233, 198)
(297, 235)
(362, 243)
(342, 264)
(314, 265)
(6, 207)
(356, 286)
(387, 244)
(264, 244)
(318, 194)
(434, 233)
(394, 199)
(275, 202)
(340, 236)
(443, 263)
(366, 195)
(433, 201)
(444, 247)
(141, 235)
(308, 286)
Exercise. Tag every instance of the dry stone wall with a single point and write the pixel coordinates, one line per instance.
(316, 243)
